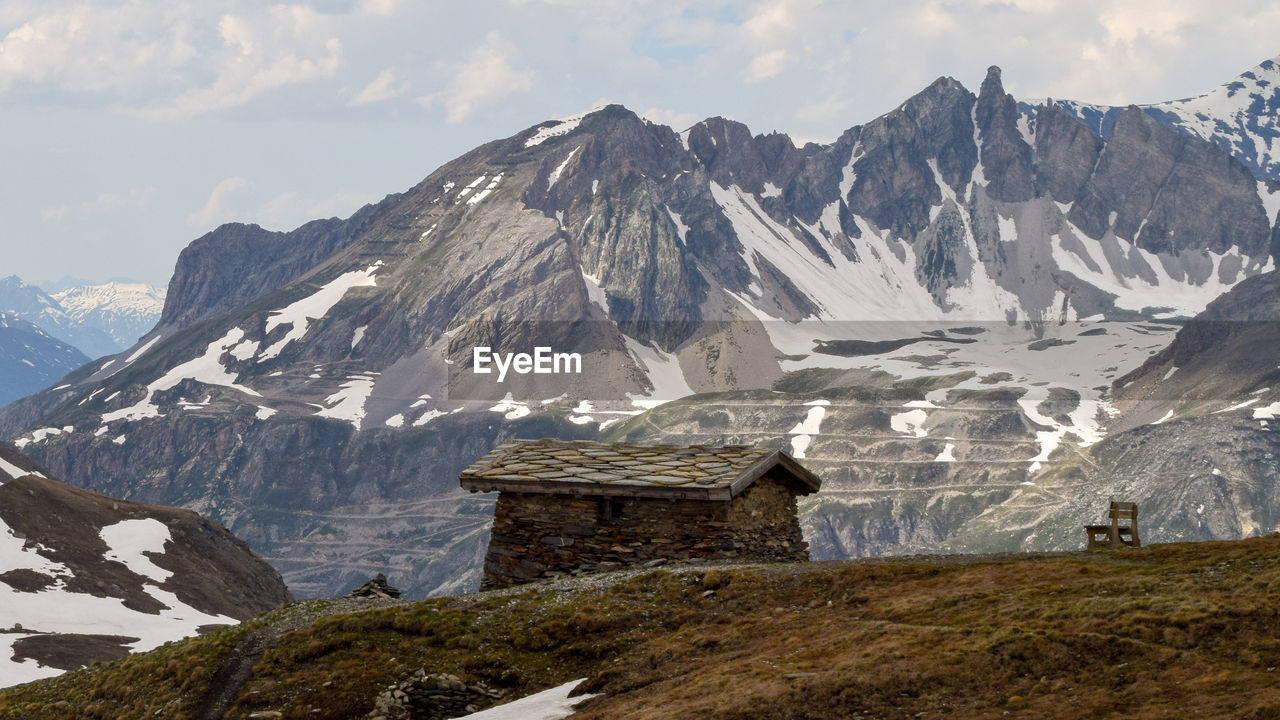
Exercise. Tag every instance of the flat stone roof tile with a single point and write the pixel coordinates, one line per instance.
(569, 466)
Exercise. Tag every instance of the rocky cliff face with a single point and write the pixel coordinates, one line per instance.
(929, 311)
(85, 577)
(1239, 116)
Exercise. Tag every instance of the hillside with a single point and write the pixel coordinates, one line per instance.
(1173, 630)
(31, 360)
(86, 578)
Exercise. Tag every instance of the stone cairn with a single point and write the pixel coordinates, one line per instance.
(375, 588)
(432, 696)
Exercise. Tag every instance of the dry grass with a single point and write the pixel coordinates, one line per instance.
(1168, 631)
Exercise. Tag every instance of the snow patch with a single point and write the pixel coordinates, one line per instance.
(555, 174)
(681, 229)
(553, 704)
(595, 293)
(948, 454)
(1008, 229)
(561, 127)
(348, 403)
(129, 542)
(664, 374)
(206, 369)
(300, 314)
(1237, 406)
(804, 430)
(511, 408)
(358, 335)
(56, 610)
(910, 422)
(138, 353)
(475, 199)
(472, 186)
(1269, 412)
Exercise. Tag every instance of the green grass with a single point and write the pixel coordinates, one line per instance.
(1183, 630)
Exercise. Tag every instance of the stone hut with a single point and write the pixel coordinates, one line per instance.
(580, 506)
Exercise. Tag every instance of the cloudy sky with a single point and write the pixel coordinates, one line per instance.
(134, 126)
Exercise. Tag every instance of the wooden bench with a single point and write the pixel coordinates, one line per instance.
(1116, 534)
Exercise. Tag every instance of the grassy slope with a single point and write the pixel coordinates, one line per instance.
(1168, 631)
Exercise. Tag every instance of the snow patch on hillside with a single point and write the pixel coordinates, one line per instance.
(564, 126)
(802, 434)
(13, 471)
(555, 174)
(553, 704)
(206, 369)
(663, 371)
(348, 403)
(130, 541)
(299, 315)
(910, 422)
(58, 610)
(883, 287)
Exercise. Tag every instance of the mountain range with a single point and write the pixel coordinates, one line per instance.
(941, 312)
(97, 319)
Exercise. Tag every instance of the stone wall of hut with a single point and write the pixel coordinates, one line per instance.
(539, 536)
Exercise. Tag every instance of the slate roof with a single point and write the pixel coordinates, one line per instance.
(583, 467)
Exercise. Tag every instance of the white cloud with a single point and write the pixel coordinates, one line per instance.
(218, 209)
(383, 87)
(132, 199)
(678, 121)
(766, 65)
(381, 7)
(259, 56)
(84, 48)
(169, 61)
(486, 77)
(289, 209)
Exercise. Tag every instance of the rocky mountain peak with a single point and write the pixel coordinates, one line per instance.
(1006, 139)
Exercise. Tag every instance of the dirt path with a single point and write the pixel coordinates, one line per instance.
(236, 666)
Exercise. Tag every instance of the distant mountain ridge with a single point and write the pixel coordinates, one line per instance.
(124, 311)
(1241, 116)
(31, 360)
(930, 311)
(98, 319)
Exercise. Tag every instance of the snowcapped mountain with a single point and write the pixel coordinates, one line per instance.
(1241, 116)
(124, 311)
(97, 319)
(30, 359)
(85, 578)
(930, 311)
